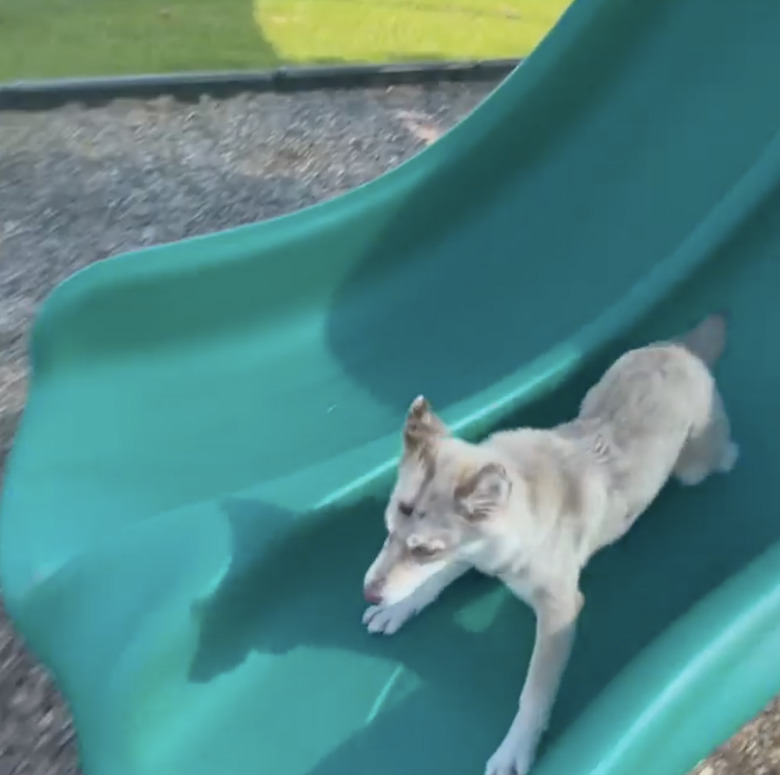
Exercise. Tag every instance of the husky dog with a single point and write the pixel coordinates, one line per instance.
(532, 506)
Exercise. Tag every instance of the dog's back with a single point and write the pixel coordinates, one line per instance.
(655, 412)
(659, 387)
(649, 396)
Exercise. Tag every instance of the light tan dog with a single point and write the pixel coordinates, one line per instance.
(532, 506)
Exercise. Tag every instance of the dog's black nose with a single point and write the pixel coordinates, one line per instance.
(372, 594)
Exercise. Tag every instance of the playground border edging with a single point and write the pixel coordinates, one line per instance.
(190, 86)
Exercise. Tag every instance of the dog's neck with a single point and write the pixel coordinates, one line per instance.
(510, 538)
(552, 495)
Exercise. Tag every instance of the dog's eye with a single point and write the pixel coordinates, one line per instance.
(407, 509)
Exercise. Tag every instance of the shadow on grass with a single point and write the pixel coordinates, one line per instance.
(50, 39)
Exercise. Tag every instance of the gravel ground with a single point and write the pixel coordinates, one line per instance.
(78, 185)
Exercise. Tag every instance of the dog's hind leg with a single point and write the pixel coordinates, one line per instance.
(709, 448)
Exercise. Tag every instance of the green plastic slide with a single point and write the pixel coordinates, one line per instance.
(197, 486)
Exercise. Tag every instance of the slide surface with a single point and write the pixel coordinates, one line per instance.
(197, 485)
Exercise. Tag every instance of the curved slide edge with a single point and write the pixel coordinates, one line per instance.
(690, 690)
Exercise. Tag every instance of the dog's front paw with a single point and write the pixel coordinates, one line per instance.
(509, 759)
(388, 619)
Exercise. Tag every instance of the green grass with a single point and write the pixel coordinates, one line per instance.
(395, 30)
(56, 38)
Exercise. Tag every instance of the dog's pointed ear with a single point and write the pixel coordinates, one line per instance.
(481, 493)
(422, 426)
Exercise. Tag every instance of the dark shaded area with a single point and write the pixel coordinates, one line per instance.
(568, 195)
(51, 39)
(458, 285)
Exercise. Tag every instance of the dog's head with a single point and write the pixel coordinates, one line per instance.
(446, 491)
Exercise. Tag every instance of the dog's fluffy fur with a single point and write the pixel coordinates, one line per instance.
(532, 506)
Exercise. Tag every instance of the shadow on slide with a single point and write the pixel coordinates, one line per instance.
(196, 488)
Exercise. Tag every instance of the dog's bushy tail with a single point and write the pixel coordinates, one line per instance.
(707, 339)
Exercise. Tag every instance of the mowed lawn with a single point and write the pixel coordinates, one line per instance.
(58, 38)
